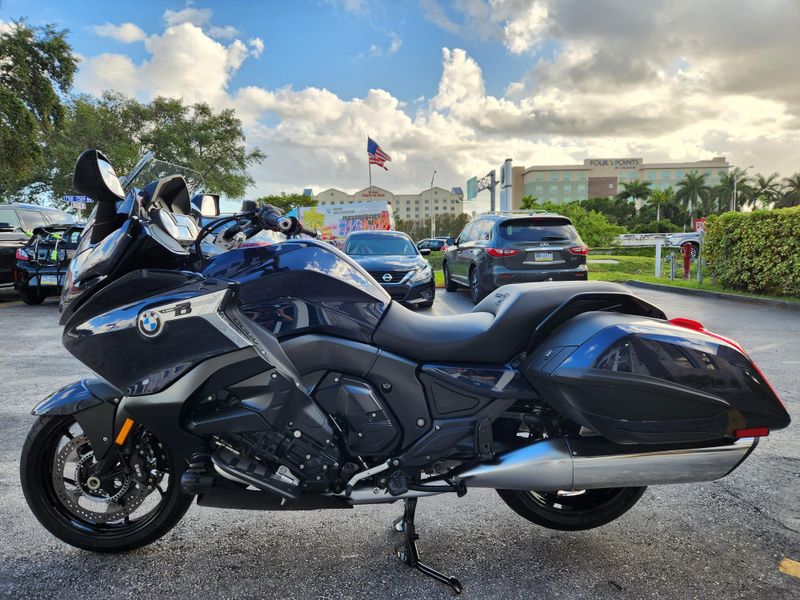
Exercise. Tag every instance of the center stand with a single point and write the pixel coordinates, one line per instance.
(407, 550)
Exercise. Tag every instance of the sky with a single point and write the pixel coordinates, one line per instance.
(456, 86)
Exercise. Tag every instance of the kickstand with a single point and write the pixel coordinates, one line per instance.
(407, 551)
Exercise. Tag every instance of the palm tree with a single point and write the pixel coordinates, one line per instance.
(691, 189)
(635, 190)
(734, 180)
(659, 198)
(766, 190)
(791, 192)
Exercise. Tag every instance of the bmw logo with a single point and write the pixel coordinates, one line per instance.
(150, 324)
(387, 277)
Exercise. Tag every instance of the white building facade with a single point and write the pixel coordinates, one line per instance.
(431, 202)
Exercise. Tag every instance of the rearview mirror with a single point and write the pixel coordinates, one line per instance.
(207, 204)
(425, 251)
(95, 177)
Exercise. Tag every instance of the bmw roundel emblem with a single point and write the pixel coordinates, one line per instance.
(150, 324)
(387, 277)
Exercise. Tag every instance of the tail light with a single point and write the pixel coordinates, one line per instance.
(579, 250)
(501, 252)
(21, 254)
(698, 326)
(752, 432)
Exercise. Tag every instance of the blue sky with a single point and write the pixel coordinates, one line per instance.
(456, 85)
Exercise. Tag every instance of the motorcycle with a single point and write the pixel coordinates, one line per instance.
(283, 377)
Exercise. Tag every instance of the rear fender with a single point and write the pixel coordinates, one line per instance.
(93, 403)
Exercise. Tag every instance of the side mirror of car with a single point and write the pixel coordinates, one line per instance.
(95, 177)
(425, 251)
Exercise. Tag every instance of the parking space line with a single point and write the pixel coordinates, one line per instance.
(790, 567)
(14, 303)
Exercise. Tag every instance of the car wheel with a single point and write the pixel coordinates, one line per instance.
(476, 290)
(429, 303)
(32, 296)
(449, 284)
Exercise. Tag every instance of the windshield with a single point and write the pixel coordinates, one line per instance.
(537, 230)
(379, 245)
(149, 169)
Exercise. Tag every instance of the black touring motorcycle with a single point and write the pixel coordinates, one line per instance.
(283, 377)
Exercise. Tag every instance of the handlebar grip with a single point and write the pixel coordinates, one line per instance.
(310, 232)
(230, 232)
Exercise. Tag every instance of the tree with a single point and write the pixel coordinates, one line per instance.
(36, 66)
(528, 202)
(734, 180)
(635, 190)
(617, 211)
(659, 198)
(691, 189)
(791, 192)
(287, 202)
(766, 190)
(196, 136)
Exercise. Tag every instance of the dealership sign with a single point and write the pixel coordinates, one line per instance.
(338, 220)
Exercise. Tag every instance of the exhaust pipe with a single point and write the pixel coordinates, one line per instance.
(558, 464)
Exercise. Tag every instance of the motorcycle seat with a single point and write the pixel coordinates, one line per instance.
(496, 330)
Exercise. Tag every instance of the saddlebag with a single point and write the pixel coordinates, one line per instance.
(642, 380)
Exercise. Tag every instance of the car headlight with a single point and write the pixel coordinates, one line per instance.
(422, 274)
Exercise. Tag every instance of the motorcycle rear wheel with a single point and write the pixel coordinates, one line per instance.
(133, 517)
(571, 511)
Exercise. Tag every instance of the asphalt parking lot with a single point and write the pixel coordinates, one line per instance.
(716, 540)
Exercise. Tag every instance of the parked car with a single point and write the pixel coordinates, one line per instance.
(438, 244)
(17, 221)
(41, 264)
(395, 263)
(678, 240)
(497, 249)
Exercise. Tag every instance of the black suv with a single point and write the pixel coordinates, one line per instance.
(17, 221)
(496, 249)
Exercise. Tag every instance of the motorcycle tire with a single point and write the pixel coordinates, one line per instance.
(572, 511)
(40, 455)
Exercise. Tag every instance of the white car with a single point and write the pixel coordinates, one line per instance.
(677, 240)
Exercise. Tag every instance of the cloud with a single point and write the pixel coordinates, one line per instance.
(127, 33)
(200, 17)
(353, 6)
(614, 82)
(395, 43)
(435, 14)
(256, 46)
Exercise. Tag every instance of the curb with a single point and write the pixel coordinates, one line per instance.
(785, 304)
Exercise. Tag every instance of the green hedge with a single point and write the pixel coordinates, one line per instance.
(757, 251)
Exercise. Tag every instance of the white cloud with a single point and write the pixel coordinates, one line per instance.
(435, 14)
(659, 86)
(395, 43)
(127, 33)
(200, 17)
(256, 46)
(354, 6)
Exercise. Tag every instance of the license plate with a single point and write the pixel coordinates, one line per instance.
(48, 280)
(543, 256)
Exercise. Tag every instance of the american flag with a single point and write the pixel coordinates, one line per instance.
(376, 155)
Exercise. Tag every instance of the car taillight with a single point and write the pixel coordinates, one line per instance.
(698, 326)
(501, 252)
(751, 432)
(21, 254)
(580, 250)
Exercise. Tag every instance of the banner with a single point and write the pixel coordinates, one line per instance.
(336, 221)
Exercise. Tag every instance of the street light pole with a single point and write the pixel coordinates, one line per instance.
(433, 212)
(734, 198)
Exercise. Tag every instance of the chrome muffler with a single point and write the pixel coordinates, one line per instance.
(561, 464)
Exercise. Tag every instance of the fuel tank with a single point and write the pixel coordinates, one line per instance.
(303, 286)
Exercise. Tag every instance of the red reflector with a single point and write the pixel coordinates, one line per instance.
(581, 250)
(21, 254)
(501, 252)
(752, 432)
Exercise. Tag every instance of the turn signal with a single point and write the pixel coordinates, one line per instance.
(580, 250)
(501, 252)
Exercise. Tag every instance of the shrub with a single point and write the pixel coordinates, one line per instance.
(756, 252)
(662, 226)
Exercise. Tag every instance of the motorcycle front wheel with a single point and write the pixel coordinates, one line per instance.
(572, 510)
(134, 504)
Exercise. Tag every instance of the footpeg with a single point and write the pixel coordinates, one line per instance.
(408, 553)
(199, 477)
(245, 470)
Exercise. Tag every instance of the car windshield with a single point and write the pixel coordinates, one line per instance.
(537, 230)
(379, 245)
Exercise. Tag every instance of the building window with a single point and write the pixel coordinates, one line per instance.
(632, 174)
(554, 176)
(539, 177)
(581, 188)
(611, 186)
(553, 188)
(567, 176)
(664, 174)
(678, 174)
(721, 173)
(567, 199)
(567, 189)
(707, 173)
(540, 189)
(651, 174)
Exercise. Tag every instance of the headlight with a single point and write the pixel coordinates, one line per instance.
(422, 274)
